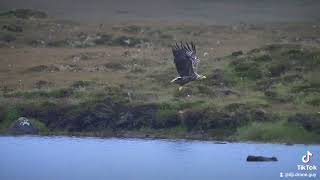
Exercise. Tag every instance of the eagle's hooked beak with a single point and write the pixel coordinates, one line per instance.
(203, 77)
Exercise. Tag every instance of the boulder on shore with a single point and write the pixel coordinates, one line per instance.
(23, 126)
(260, 159)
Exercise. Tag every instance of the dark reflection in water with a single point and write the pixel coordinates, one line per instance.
(65, 158)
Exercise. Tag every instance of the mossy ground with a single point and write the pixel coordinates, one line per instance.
(112, 80)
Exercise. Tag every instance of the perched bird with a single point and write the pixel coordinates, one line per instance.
(186, 63)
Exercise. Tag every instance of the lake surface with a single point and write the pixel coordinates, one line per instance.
(66, 158)
(205, 11)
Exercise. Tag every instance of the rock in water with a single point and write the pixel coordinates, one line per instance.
(23, 126)
(260, 159)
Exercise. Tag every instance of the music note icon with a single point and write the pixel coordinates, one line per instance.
(306, 158)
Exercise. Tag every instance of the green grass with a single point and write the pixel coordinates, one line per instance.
(11, 114)
(313, 100)
(261, 80)
(43, 130)
(276, 132)
(55, 93)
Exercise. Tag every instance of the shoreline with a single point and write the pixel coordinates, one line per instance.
(152, 137)
(213, 141)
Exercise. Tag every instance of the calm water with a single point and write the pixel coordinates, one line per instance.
(66, 158)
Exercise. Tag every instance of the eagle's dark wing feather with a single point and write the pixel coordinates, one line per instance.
(185, 59)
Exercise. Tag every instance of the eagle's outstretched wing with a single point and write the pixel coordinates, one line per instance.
(185, 59)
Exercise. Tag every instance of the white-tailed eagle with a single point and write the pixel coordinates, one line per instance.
(186, 63)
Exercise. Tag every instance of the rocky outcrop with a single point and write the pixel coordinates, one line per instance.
(23, 126)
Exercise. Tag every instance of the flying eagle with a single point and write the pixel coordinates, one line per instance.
(186, 63)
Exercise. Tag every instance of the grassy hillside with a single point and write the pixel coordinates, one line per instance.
(114, 80)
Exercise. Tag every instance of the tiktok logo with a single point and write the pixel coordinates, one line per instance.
(303, 170)
(306, 158)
